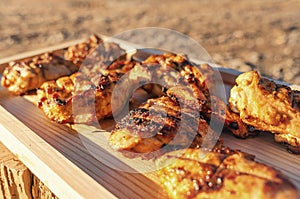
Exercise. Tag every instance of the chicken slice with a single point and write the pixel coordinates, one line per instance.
(196, 82)
(22, 76)
(157, 123)
(267, 106)
(213, 107)
(185, 107)
(293, 143)
(221, 174)
(176, 69)
(91, 98)
(79, 52)
(25, 75)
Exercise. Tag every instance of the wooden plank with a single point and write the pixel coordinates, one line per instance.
(15, 177)
(17, 181)
(47, 163)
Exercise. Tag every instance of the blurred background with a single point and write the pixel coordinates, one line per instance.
(240, 34)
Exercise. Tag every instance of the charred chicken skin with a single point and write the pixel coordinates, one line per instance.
(155, 124)
(268, 106)
(201, 81)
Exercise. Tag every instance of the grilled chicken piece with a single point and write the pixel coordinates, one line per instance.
(91, 98)
(200, 83)
(292, 142)
(221, 174)
(22, 76)
(267, 106)
(167, 120)
(233, 122)
(186, 109)
(55, 98)
(213, 107)
(175, 69)
(157, 123)
(79, 52)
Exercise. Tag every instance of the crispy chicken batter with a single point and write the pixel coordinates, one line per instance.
(267, 106)
(221, 174)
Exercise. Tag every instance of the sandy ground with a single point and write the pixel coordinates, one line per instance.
(241, 34)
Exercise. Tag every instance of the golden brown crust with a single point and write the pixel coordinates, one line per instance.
(155, 124)
(293, 143)
(187, 174)
(79, 52)
(55, 98)
(267, 106)
(92, 99)
(22, 76)
(186, 106)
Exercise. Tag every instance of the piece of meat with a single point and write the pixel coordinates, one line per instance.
(196, 82)
(157, 123)
(85, 97)
(172, 120)
(159, 73)
(292, 142)
(233, 122)
(55, 98)
(22, 76)
(91, 98)
(25, 75)
(220, 174)
(171, 70)
(79, 52)
(185, 107)
(212, 107)
(267, 106)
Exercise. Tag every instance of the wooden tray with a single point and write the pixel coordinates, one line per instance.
(61, 158)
